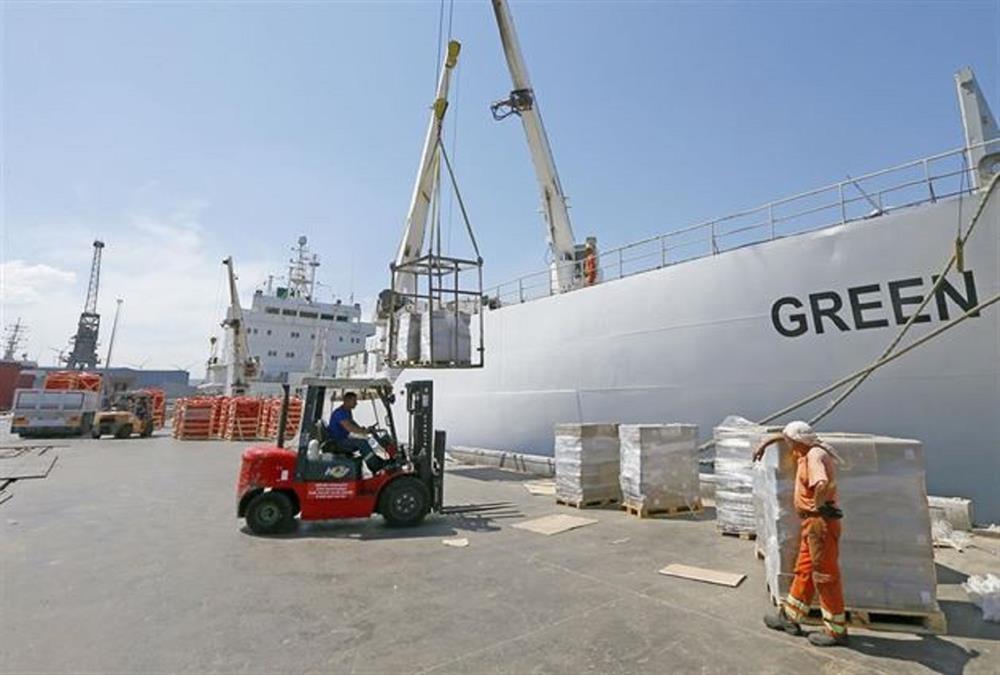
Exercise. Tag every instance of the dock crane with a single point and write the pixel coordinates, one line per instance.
(242, 368)
(84, 354)
(566, 269)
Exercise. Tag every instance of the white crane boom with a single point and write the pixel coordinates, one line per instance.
(523, 103)
(241, 368)
(423, 188)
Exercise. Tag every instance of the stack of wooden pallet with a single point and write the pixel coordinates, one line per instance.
(292, 421)
(159, 400)
(73, 379)
(193, 417)
(242, 418)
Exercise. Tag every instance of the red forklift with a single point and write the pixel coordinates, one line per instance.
(323, 481)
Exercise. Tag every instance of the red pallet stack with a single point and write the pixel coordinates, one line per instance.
(193, 418)
(291, 422)
(159, 400)
(73, 379)
(242, 418)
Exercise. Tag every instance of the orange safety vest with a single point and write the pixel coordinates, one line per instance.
(590, 268)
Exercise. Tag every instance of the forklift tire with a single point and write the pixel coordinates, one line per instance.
(124, 431)
(270, 513)
(96, 433)
(147, 431)
(404, 502)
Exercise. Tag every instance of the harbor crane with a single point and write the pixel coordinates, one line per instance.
(566, 269)
(84, 354)
(242, 368)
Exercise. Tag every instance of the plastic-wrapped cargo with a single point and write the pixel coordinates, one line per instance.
(587, 463)
(448, 334)
(886, 553)
(735, 440)
(408, 335)
(659, 466)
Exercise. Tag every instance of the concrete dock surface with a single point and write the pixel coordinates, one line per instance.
(129, 558)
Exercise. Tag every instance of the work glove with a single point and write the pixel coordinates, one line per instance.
(831, 511)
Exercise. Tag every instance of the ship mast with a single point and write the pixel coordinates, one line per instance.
(302, 271)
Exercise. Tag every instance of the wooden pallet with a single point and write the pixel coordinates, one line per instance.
(587, 504)
(640, 511)
(889, 620)
(885, 620)
(745, 536)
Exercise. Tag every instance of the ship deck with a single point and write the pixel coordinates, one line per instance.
(128, 558)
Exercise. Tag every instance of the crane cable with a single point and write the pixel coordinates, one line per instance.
(887, 356)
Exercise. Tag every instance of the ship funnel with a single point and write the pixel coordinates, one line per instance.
(982, 136)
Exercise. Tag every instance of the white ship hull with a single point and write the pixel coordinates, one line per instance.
(695, 341)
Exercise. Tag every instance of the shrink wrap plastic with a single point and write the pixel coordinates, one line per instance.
(452, 340)
(587, 462)
(659, 465)
(408, 336)
(735, 440)
(984, 591)
(886, 553)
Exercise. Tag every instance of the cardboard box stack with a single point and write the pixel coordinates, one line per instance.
(587, 463)
(659, 467)
(886, 554)
(735, 440)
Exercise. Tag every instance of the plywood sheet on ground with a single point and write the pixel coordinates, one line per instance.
(703, 574)
(541, 487)
(26, 466)
(549, 525)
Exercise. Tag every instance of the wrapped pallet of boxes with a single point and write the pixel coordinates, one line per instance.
(407, 347)
(735, 440)
(587, 464)
(886, 553)
(659, 468)
(445, 337)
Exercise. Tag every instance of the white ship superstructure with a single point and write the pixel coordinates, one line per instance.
(290, 332)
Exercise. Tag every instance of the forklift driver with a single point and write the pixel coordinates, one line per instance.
(342, 425)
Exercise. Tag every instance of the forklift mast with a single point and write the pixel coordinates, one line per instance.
(426, 445)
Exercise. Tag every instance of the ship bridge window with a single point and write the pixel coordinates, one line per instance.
(326, 317)
(342, 318)
(288, 312)
(295, 334)
(271, 310)
(308, 315)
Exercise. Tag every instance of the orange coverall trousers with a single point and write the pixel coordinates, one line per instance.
(818, 569)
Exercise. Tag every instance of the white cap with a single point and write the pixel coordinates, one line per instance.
(801, 432)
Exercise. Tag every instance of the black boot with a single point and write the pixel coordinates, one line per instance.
(780, 621)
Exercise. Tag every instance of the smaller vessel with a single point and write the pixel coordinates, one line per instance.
(286, 333)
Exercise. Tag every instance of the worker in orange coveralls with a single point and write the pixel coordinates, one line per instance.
(590, 265)
(817, 567)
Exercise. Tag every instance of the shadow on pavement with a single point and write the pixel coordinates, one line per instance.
(467, 517)
(930, 651)
(966, 620)
(949, 575)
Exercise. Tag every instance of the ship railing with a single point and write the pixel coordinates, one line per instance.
(921, 181)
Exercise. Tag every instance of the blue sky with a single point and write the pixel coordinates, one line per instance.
(184, 132)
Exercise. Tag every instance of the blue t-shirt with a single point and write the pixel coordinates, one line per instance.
(335, 428)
